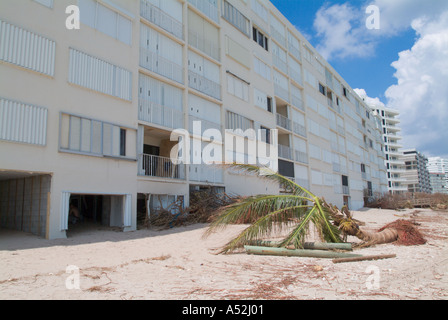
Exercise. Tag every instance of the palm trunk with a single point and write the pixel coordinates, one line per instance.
(388, 235)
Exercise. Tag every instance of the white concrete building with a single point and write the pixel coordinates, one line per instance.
(391, 135)
(86, 115)
(416, 174)
(438, 171)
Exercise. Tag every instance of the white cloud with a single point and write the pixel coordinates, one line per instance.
(373, 102)
(342, 32)
(397, 15)
(421, 92)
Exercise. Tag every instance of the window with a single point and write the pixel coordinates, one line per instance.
(237, 87)
(122, 142)
(94, 137)
(236, 18)
(21, 122)
(262, 100)
(106, 20)
(322, 89)
(103, 77)
(262, 69)
(27, 49)
(265, 135)
(235, 121)
(345, 181)
(260, 38)
(269, 102)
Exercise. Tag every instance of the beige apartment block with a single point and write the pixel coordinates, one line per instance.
(417, 175)
(92, 116)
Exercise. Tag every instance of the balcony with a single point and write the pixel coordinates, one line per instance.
(296, 76)
(299, 129)
(304, 183)
(295, 52)
(205, 173)
(160, 167)
(204, 85)
(154, 113)
(278, 37)
(297, 102)
(281, 92)
(206, 7)
(155, 63)
(280, 64)
(285, 152)
(205, 125)
(301, 157)
(284, 122)
(161, 19)
(201, 43)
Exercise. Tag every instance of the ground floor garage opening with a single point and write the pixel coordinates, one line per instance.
(89, 212)
(151, 205)
(25, 202)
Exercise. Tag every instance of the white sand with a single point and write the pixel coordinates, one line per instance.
(179, 264)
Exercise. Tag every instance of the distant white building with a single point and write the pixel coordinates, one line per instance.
(391, 136)
(438, 171)
(416, 174)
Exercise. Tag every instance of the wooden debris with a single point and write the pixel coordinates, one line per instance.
(365, 258)
(297, 253)
(307, 245)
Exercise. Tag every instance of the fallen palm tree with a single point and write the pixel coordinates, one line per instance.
(402, 232)
(298, 211)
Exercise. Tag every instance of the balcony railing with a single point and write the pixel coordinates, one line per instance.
(278, 36)
(284, 152)
(301, 157)
(281, 92)
(157, 114)
(160, 65)
(161, 19)
(296, 76)
(201, 43)
(284, 122)
(206, 7)
(304, 183)
(160, 167)
(295, 52)
(299, 129)
(205, 173)
(280, 64)
(297, 102)
(204, 85)
(205, 125)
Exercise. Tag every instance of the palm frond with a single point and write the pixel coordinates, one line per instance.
(254, 208)
(272, 222)
(297, 236)
(268, 213)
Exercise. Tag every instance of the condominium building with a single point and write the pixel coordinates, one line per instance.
(391, 135)
(130, 109)
(416, 174)
(438, 171)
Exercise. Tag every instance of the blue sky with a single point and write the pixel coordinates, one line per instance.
(404, 64)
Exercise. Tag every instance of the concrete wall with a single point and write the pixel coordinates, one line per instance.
(23, 204)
